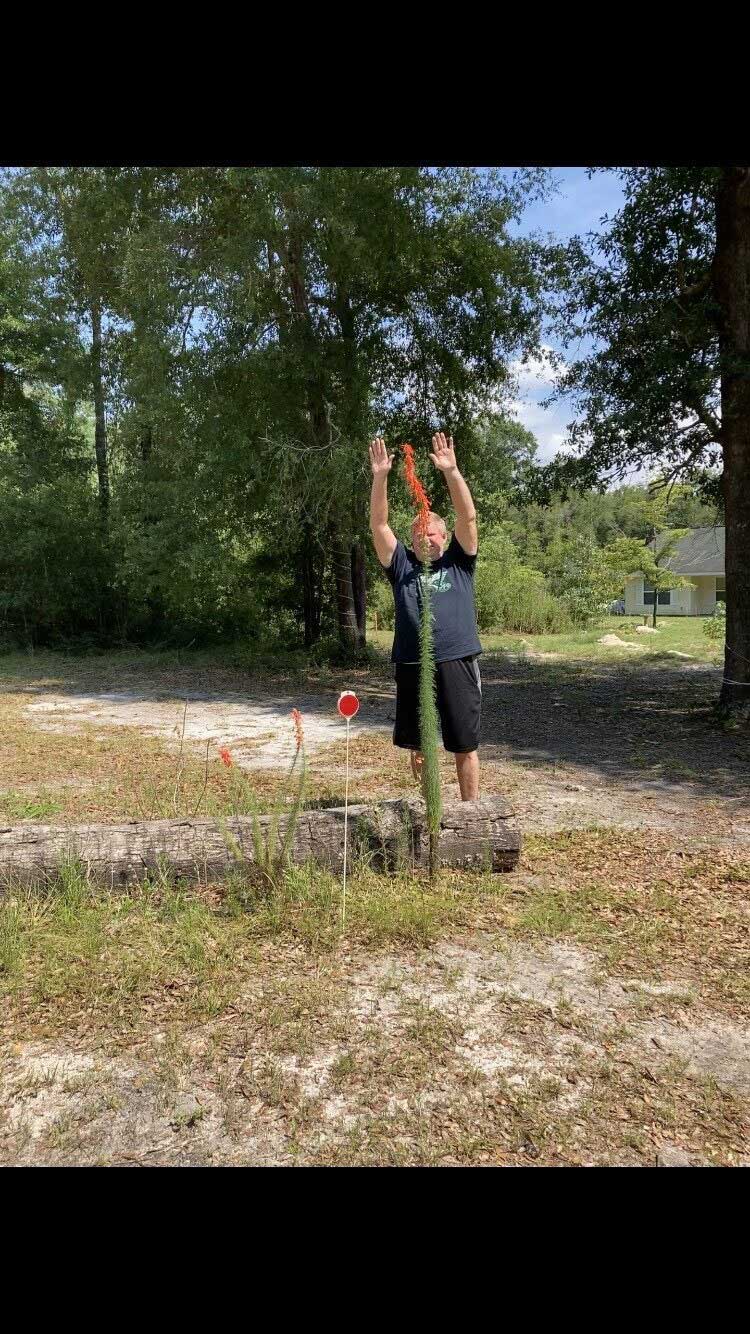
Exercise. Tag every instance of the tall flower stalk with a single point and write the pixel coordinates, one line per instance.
(428, 715)
(270, 859)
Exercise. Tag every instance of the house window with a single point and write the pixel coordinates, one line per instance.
(721, 589)
(665, 596)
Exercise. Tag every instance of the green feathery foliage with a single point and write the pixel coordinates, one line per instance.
(428, 714)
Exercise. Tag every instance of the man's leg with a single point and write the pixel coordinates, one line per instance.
(460, 705)
(467, 768)
(406, 729)
(417, 768)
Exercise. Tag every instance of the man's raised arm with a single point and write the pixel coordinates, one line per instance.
(383, 537)
(465, 526)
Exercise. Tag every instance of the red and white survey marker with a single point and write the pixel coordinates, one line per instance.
(348, 706)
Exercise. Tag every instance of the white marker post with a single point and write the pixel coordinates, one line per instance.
(348, 706)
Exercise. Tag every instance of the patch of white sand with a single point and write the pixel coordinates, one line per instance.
(258, 733)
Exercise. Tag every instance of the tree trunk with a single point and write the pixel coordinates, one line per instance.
(351, 590)
(346, 618)
(474, 835)
(311, 575)
(100, 426)
(298, 333)
(348, 558)
(354, 413)
(359, 591)
(733, 289)
(157, 618)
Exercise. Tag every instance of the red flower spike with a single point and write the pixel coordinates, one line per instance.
(299, 734)
(417, 491)
(225, 757)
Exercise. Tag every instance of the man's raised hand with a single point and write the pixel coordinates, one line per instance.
(380, 459)
(444, 457)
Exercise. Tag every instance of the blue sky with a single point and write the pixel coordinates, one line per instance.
(579, 204)
(577, 207)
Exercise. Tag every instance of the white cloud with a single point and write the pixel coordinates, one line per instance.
(535, 379)
(544, 424)
(538, 373)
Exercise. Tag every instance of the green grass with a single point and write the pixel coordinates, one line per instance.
(264, 970)
(19, 806)
(180, 985)
(126, 773)
(74, 946)
(120, 772)
(58, 665)
(234, 666)
(237, 664)
(644, 911)
(683, 634)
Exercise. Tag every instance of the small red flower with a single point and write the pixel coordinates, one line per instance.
(225, 757)
(299, 735)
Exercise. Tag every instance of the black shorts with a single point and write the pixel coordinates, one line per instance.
(458, 689)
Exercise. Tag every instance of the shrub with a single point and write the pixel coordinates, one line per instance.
(716, 626)
(381, 601)
(584, 580)
(514, 597)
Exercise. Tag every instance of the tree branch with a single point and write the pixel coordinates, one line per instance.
(667, 479)
(707, 419)
(698, 288)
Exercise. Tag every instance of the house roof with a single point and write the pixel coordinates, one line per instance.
(701, 551)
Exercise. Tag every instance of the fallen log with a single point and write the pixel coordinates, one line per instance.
(390, 836)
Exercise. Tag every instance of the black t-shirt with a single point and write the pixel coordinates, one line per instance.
(452, 586)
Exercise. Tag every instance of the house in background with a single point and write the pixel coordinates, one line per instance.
(699, 556)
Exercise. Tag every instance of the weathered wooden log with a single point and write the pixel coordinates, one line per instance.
(391, 835)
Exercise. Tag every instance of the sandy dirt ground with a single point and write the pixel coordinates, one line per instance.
(542, 1031)
(572, 745)
(569, 746)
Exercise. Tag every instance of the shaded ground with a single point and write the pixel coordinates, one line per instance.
(628, 745)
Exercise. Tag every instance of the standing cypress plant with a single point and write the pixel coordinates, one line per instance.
(428, 716)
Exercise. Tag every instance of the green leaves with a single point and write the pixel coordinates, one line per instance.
(429, 730)
(641, 293)
(256, 325)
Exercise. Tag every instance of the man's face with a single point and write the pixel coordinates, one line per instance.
(435, 538)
